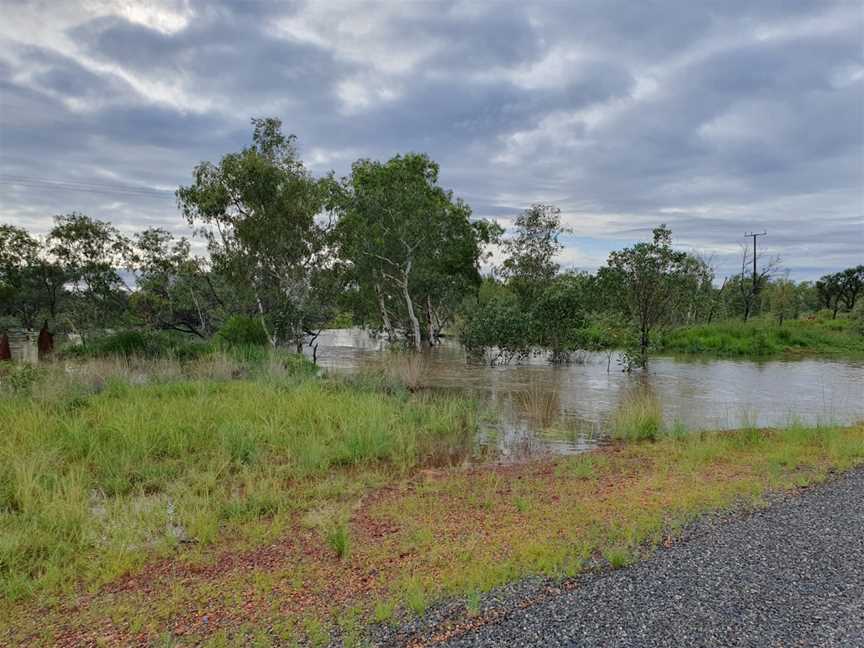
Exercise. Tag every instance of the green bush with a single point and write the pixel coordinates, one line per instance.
(857, 318)
(143, 344)
(242, 331)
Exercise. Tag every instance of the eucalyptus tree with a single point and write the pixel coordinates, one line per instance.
(173, 289)
(529, 262)
(650, 283)
(842, 287)
(91, 255)
(19, 288)
(851, 286)
(266, 222)
(410, 245)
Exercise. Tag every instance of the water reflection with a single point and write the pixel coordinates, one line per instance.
(534, 408)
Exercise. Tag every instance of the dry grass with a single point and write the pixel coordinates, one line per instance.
(406, 368)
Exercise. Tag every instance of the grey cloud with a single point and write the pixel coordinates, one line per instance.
(714, 117)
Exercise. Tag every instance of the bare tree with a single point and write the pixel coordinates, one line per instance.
(754, 277)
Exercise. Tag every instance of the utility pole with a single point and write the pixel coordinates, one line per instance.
(754, 235)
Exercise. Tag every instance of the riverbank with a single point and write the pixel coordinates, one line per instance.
(765, 338)
(223, 503)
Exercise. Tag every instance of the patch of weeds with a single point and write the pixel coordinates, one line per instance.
(351, 628)
(676, 431)
(339, 538)
(522, 505)
(416, 597)
(618, 556)
(383, 611)
(317, 633)
(582, 466)
(472, 603)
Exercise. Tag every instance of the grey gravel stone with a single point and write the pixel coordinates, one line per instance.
(791, 574)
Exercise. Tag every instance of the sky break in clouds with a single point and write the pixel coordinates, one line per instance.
(716, 117)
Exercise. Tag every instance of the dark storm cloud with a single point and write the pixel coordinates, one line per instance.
(715, 117)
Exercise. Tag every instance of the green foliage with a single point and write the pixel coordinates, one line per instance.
(242, 331)
(530, 253)
(412, 249)
(558, 315)
(133, 468)
(141, 344)
(763, 338)
(262, 204)
(499, 327)
(618, 556)
(18, 378)
(646, 283)
(338, 538)
(857, 318)
(639, 417)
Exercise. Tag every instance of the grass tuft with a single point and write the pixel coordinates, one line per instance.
(639, 417)
(338, 538)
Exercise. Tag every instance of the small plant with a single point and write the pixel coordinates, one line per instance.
(383, 611)
(338, 538)
(415, 597)
(582, 466)
(472, 603)
(522, 505)
(639, 417)
(317, 633)
(19, 378)
(618, 556)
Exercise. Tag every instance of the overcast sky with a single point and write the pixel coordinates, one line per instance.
(715, 117)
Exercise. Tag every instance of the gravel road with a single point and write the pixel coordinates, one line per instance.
(789, 575)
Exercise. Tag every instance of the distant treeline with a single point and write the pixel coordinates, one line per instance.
(386, 247)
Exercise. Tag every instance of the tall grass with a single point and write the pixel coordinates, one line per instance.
(407, 369)
(638, 417)
(98, 462)
(539, 403)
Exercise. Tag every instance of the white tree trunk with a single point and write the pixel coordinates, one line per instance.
(415, 323)
(385, 318)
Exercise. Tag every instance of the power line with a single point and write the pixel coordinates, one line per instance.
(92, 187)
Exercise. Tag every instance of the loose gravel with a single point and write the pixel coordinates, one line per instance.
(788, 575)
(791, 574)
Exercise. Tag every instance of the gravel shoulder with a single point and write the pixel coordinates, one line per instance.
(791, 574)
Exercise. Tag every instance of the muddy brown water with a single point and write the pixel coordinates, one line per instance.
(534, 408)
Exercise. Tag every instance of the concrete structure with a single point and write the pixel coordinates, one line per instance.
(22, 343)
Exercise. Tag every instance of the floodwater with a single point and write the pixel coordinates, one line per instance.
(535, 408)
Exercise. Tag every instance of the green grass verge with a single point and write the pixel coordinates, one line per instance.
(763, 338)
(97, 478)
(278, 507)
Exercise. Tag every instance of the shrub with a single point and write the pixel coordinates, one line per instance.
(242, 331)
(143, 344)
(18, 378)
(858, 318)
